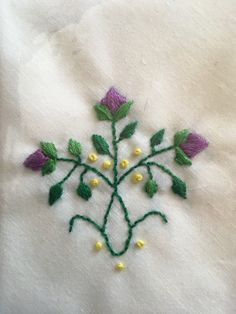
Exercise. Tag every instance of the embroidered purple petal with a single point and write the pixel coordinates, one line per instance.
(36, 160)
(113, 100)
(194, 144)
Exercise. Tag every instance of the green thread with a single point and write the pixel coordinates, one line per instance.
(74, 148)
(116, 195)
(128, 131)
(113, 108)
(142, 161)
(151, 187)
(101, 145)
(49, 149)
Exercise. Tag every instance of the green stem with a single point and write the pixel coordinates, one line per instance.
(84, 218)
(115, 149)
(89, 168)
(142, 161)
(68, 175)
(83, 174)
(151, 213)
(163, 168)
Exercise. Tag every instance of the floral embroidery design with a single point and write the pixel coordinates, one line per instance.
(112, 108)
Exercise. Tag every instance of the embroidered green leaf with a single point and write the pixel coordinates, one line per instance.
(74, 147)
(103, 113)
(84, 191)
(128, 130)
(49, 149)
(48, 167)
(55, 193)
(151, 188)
(123, 111)
(157, 138)
(100, 144)
(181, 158)
(179, 187)
(180, 137)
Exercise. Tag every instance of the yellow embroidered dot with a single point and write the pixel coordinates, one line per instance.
(106, 164)
(94, 182)
(137, 177)
(140, 244)
(92, 157)
(120, 266)
(124, 164)
(137, 151)
(98, 245)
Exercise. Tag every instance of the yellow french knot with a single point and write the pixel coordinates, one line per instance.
(94, 182)
(124, 164)
(120, 266)
(137, 177)
(98, 246)
(137, 151)
(92, 157)
(106, 164)
(140, 244)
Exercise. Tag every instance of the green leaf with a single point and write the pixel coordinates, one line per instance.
(180, 137)
(74, 147)
(55, 193)
(100, 144)
(179, 187)
(181, 158)
(84, 191)
(157, 138)
(123, 111)
(103, 113)
(128, 131)
(49, 167)
(49, 149)
(151, 187)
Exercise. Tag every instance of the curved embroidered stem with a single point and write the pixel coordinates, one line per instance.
(83, 174)
(84, 218)
(97, 172)
(89, 168)
(163, 168)
(107, 212)
(126, 245)
(68, 175)
(142, 161)
(149, 171)
(151, 213)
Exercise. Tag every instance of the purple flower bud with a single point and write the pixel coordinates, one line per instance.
(194, 144)
(36, 160)
(113, 100)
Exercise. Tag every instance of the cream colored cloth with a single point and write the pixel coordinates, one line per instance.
(176, 59)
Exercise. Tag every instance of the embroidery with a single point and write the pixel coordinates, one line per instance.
(112, 108)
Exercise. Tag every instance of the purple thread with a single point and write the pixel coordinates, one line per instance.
(113, 100)
(194, 144)
(36, 160)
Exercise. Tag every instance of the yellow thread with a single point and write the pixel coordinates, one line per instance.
(120, 266)
(106, 164)
(94, 182)
(140, 244)
(98, 245)
(137, 151)
(137, 177)
(92, 157)
(124, 164)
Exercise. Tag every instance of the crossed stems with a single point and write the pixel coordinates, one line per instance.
(114, 185)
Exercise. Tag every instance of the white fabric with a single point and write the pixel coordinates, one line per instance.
(176, 59)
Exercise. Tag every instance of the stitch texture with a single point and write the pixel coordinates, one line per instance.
(112, 108)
